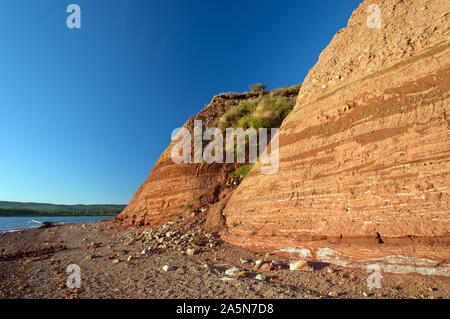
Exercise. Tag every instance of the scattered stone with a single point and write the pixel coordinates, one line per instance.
(258, 264)
(365, 294)
(129, 258)
(232, 271)
(208, 235)
(265, 267)
(260, 277)
(244, 261)
(190, 251)
(144, 251)
(115, 261)
(333, 294)
(167, 268)
(226, 278)
(298, 265)
(330, 270)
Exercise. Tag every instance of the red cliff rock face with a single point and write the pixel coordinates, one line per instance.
(364, 156)
(171, 188)
(175, 190)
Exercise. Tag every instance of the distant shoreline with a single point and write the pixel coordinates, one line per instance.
(21, 223)
(31, 216)
(19, 209)
(33, 213)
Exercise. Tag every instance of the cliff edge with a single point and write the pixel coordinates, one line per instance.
(364, 155)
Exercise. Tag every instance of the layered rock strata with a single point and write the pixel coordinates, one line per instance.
(365, 154)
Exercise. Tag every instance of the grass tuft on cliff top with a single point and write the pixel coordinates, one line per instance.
(265, 111)
(243, 170)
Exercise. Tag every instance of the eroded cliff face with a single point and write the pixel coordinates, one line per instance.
(175, 190)
(365, 154)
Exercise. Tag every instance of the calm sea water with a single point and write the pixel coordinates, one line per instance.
(18, 223)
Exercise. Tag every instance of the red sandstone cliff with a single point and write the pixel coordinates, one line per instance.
(175, 190)
(365, 154)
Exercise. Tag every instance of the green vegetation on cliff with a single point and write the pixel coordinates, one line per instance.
(265, 111)
(258, 87)
(243, 170)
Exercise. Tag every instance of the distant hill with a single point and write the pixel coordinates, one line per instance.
(16, 209)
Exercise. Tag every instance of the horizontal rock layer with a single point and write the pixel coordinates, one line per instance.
(364, 156)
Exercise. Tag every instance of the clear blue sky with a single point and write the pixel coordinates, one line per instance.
(86, 113)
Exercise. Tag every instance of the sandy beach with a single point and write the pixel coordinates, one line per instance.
(126, 263)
